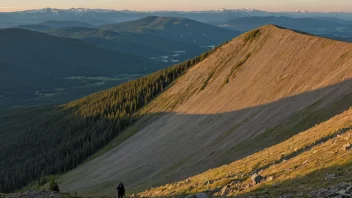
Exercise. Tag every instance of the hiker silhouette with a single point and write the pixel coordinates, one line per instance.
(120, 190)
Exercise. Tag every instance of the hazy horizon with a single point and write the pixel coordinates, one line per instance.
(183, 5)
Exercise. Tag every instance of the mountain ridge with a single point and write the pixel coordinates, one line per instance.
(215, 108)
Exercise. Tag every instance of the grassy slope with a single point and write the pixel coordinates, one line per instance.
(297, 165)
(215, 114)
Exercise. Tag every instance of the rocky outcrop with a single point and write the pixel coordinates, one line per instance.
(199, 195)
(35, 194)
(340, 190)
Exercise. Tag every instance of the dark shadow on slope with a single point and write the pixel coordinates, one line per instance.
(173, 157)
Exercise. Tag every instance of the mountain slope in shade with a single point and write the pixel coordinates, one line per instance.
(63, 24)
(35, 27)
(135, 43)
(34, 63)
(55, 56)
(253, 92)
(48, 25)
(181, 29)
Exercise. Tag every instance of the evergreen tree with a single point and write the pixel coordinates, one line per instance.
(54, 186)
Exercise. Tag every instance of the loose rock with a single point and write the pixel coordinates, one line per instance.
(330, 176)
(36, 194)
(199, 195)
(256, 178)
(225, 190)
(347, 146)
(340, 190)
(270, 178)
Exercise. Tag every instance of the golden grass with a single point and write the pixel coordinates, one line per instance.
(298, 164)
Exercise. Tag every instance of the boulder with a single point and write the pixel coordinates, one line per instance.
(256, 178)
(347, 146)
(199, 195)
(225, 190)
(270, 178)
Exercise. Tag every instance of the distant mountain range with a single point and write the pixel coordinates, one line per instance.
(47, 25)
(33, 62)
(327, 27)
(143, 44)
(77, 58)
(310, 24)
(152, 37)
(134, 39)
(181, 29)
(63, 24)
(158, 38)
(63, 57)
(103, 16)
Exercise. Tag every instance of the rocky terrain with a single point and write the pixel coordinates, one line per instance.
(36, 194)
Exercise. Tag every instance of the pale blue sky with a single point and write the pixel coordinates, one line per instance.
(269, 5)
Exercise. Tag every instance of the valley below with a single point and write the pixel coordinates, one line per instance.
(76, 87)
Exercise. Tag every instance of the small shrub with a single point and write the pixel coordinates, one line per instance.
(207, 80)
(54, 186)
(251, 35)
(236, 67)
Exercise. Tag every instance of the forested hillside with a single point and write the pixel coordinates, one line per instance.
(36, 142)
(63, 57)
(143, 44)
(181, 29)
(62, 24)
(38, 68)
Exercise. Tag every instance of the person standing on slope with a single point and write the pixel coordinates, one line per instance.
(120, 190)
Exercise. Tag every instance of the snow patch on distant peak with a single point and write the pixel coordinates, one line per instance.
(236, 10)
(302, 11)
(71, 10)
